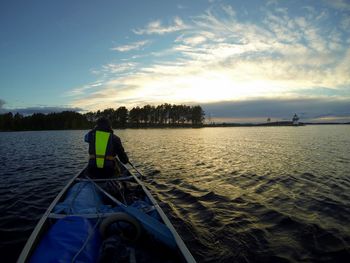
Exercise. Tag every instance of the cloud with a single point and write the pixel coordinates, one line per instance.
(2, 103)
(345, 23)
(228, 9)
(271, 2)
(156, 27)
(216, 58)
(131, 46)
(343, 5)
(119, 68)
(280, 109)
(82, 90)
(40, 109)
(180, 6)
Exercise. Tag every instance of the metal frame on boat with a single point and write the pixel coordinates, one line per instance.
(49, 216)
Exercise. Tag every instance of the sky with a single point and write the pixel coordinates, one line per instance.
(242, 61)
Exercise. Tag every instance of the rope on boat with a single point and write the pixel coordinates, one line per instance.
(104, 192)
(96, 203)
(87, 239)
(120, 189)
(70, 209)
(99, 219)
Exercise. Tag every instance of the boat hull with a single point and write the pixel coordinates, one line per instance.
(95, 201)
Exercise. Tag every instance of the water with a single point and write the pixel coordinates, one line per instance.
(269, 194)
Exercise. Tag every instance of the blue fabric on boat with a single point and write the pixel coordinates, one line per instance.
(64, 240)
(154, 227)
(83, 198)
(145, 206)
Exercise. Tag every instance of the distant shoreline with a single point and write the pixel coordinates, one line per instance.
(272, 124)
(214, 125)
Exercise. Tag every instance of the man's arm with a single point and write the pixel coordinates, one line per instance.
(87, 137)
(123, 157)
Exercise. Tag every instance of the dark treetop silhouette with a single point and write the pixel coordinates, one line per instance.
(164, 115)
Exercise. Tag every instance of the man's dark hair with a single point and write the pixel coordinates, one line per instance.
(103, 124)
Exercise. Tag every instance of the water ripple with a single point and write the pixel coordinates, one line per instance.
(234, 194)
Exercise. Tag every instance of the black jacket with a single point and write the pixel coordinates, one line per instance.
(114, 147)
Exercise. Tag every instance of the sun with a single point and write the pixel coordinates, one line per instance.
(217, 86)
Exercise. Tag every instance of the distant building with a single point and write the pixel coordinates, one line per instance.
(295, 120)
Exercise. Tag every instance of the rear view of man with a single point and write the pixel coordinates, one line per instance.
(104, 146)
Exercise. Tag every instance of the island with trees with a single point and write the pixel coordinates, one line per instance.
(148, 116)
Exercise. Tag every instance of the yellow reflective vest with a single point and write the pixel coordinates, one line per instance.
(101, 143)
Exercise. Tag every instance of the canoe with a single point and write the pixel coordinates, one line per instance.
(105, 220)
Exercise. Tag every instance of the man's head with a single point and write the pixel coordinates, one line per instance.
(103, 124)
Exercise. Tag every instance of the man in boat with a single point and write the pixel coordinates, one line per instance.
(104, 146)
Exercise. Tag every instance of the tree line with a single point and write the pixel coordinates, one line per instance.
(164, 115)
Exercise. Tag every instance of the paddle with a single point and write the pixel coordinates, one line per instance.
(141, 175)
(175, 236)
